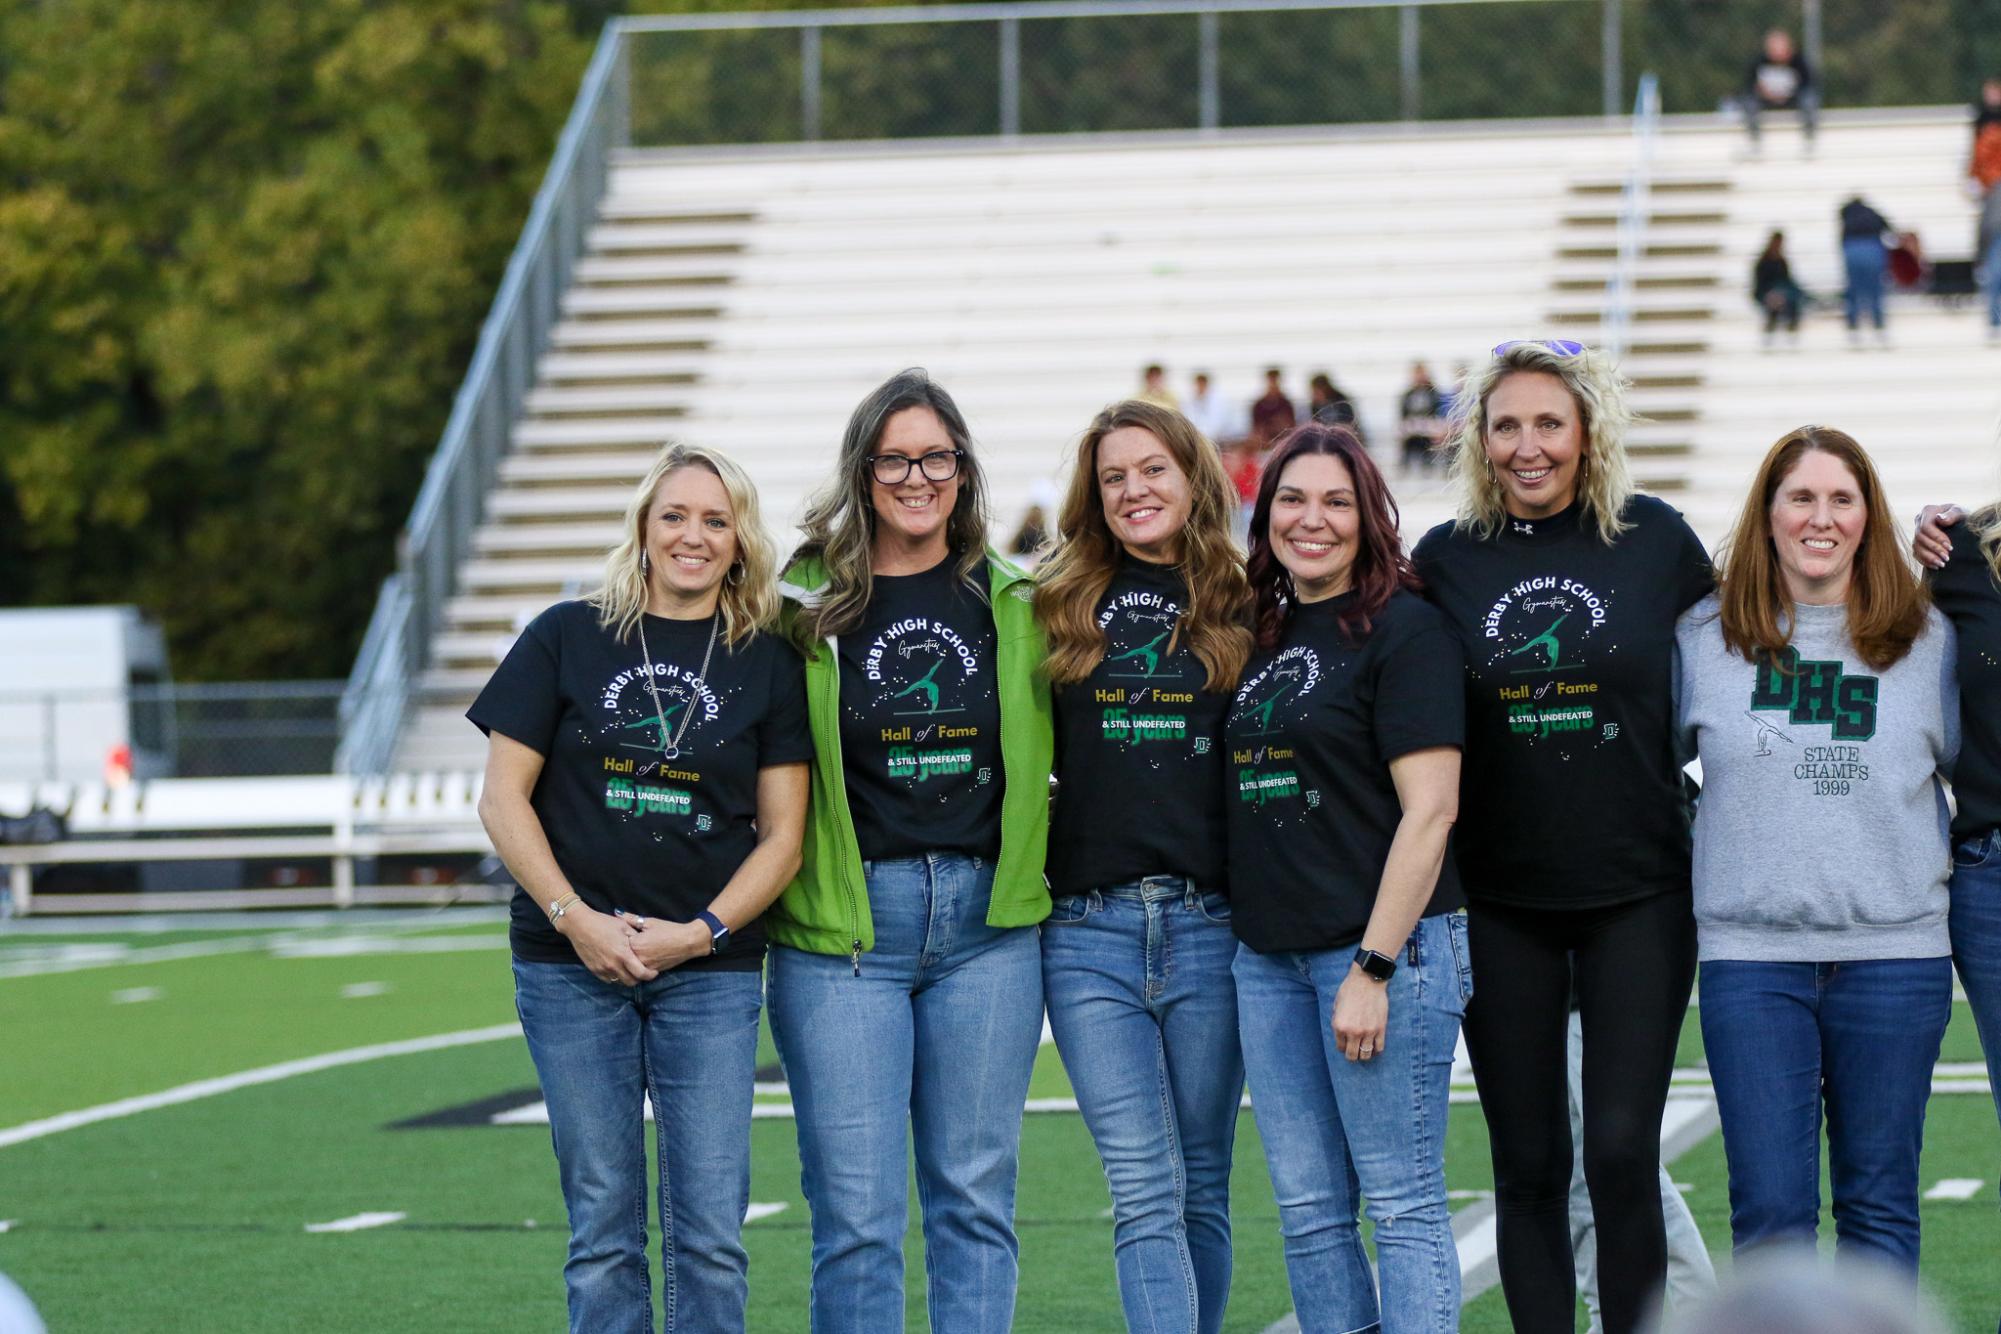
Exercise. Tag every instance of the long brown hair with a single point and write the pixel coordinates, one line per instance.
(840, 520)
(1381, 564)
(1887, 602)
(1073, 580)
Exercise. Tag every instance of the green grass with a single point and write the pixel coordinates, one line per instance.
(192, 1216)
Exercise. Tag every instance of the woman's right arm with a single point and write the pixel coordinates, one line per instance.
(602, 941)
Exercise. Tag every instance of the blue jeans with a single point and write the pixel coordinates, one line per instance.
(1863, 1036)
(687, 1041)
(1144, 1009)
(1337, 1131)
(1993, 279)
(932, 1041)
(1976, 941)
(1866, 261)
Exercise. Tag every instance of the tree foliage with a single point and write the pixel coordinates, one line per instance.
(243, 258)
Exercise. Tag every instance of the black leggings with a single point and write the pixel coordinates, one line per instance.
(1633, 964)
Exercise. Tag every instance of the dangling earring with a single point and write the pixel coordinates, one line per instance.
(735, 573)
(645, 566)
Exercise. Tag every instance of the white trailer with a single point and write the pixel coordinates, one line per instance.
(76, 686)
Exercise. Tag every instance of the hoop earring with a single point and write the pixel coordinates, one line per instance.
(734, 574)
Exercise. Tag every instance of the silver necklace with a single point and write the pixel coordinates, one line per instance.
(673, 748)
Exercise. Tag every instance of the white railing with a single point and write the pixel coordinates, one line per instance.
(1633, 210)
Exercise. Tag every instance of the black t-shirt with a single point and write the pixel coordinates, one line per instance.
(631, 827)
(1965, 590)
(920, 717)
(1311, 734)
(1571, 793)
(1139, 748)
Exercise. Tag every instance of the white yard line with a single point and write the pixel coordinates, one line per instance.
(357, 1222)
(1955, 1188)
(757, 1211)
(268, 1074)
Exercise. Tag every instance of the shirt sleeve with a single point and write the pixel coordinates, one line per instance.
(522, 700)
(784, 736)
(1695, 577)
(1420, 698)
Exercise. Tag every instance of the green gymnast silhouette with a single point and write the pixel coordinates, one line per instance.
(659, 724)
(1262, 712)
(1144, 651)
(1546, 641)
(924, 684)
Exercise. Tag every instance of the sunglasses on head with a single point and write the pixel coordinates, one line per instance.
(1563, 347)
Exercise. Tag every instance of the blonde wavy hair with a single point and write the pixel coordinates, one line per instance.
(749, 598)
(1072, 580)
(1604, 481)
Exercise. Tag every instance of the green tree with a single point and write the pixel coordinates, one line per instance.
(244, 253)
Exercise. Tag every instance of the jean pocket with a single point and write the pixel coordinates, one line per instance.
(1067, 910)
(1445, 975)
(1214, 907)
(1978, 853)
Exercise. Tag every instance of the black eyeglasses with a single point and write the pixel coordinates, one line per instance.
(939, 466)
(1563, 347)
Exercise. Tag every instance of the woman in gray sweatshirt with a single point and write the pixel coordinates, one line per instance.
(1817, 687)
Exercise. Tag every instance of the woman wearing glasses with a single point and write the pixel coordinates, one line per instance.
(646, 785)
(906, 979)
(1143, 605)
(1573, 837)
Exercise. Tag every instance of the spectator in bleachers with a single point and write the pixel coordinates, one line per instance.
(1153, 388)
(1985, 166)
(1330, 406)
(1866, 260)
(1987, 107)
(1421, 421)
(1210, 411)
(1773, 288)
(1448, 393)
(1031, 536)
(1244, 462)
(1989, 249)
(1272, 415)
(650, 807)
(1778, 80)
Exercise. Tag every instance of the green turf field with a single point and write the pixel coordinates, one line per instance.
(194, 1215)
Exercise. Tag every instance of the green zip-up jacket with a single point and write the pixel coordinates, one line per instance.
(825, 909)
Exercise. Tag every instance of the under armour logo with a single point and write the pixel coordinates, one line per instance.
(1528, 528)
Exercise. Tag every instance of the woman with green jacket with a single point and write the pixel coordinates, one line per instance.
(905, 980)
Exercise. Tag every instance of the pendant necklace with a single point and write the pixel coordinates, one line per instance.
(672, 750)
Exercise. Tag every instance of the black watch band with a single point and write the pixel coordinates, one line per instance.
(1379, 966)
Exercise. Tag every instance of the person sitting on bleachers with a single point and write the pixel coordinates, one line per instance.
(1210, 412)
(1272, 415)
(1153, 388)
(1420, 420)
(1329, 406)
(1773, 288)
(1778, 80)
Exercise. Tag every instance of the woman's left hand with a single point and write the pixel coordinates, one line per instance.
(661, 944)
(1361, 1016)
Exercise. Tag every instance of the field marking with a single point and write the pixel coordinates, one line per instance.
(757, 1211)
(136, 995)
(286, 945)
(268, 1074)
(363, 990)
(1955, 1188)
(7, 1224)
(358, 1222)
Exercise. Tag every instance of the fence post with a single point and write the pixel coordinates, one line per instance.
(1407, 51)
(1614, 55)
(809, 83)
(1810, 43)
(1010, 77)
(49, 738)
(1209, 42)
(21, 888)
(621, 88)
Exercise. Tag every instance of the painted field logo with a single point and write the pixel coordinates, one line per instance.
(1816, 693)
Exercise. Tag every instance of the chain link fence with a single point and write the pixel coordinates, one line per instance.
(234, 730)
(1184, 66)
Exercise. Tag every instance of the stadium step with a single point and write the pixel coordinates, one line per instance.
(605, 400)
(528, 470)
(618, 303)
(514, 540)
(618, 367)
(1684, 217)
(598, 433)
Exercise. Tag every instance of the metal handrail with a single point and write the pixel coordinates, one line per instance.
(448, 507)
(1617, 322)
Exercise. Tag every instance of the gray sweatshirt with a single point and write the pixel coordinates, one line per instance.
(1820, 836)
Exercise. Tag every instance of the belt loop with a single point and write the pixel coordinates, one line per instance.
(1192, 898)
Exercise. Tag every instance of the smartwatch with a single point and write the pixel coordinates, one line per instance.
(719, 934)
(1381, 967)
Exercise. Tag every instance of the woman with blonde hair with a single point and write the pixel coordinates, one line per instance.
(1563, 585)
(646, 785)
(1143, 604)
(906, 981)
(1817, 688)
